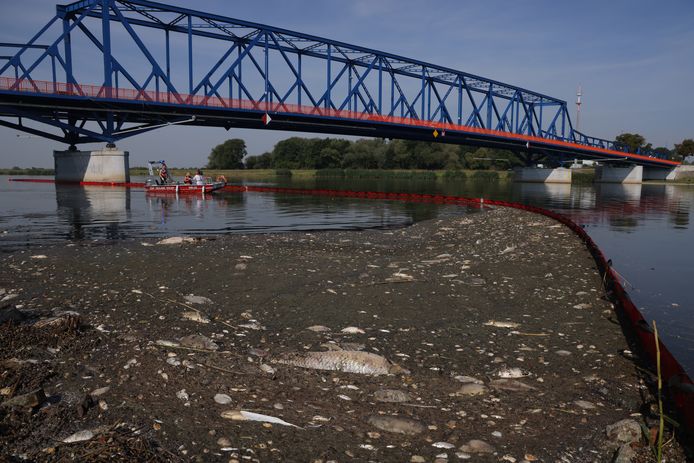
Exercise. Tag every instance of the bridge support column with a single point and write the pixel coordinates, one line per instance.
(107, 165)
(668, 174)
(632, 174)
(535, 175)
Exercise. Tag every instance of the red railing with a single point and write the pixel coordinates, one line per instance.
(152, 96)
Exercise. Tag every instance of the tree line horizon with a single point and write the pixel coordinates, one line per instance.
(338, 153)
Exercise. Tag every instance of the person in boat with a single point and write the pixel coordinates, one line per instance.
(221, 178)
(199, 179)
(163, 173)
(188, 179)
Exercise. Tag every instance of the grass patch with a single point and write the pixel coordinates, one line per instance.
(27, 171)
(455, 175)
(489, 175)
(390, 174)
(330, 173)
(485, 175)
(283, 173)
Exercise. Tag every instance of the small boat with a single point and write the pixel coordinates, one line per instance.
(182, 188)
(156, 185)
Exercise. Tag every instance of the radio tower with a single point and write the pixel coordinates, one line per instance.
(578, 108)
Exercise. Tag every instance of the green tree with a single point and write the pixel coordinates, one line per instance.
(480, 158)
(263, 161)
(289, 153)
(684, 149)
(365, 154)
(662, 151)
(328, 158)
(228, 155)
(633, 141)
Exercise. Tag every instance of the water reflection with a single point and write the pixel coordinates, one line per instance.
(629, 193)
(558, 193)
(193, 213)
(93, 212)
(679, 205)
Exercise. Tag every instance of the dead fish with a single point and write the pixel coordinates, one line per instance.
(67, 320)
(396, 424)
(31, 400)
(100, 391)
(195, 316)
(467, 379)
(364, 363)
(512, 373)
(507, 250)
(391, 395)
(501, 324)
(198, 341)
(400, 277)
(165, 343)
(267, 369)
(176, 240)
(512, 385)
(193, 299)
(242, 415)
(352, 330)
(252, 326)
(470, 389)
(79, 436)
(318, 328)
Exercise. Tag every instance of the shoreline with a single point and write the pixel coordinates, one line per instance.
(426, 297)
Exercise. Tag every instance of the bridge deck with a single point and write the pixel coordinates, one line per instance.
(150, 107)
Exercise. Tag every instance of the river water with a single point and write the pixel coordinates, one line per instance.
(644, 229)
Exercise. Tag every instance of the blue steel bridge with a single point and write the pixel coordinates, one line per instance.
(104, 70)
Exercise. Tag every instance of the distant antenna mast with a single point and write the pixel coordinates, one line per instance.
(578, 108)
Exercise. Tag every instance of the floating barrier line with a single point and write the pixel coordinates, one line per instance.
(69, 182)
(680, 385)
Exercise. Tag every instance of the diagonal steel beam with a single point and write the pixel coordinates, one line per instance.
(359, 82)
(299, 80)
(160, 73)
(56, 42)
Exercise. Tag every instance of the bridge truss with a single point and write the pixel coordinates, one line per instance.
(152, 65)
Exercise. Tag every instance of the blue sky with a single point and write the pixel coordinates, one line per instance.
(633, 59)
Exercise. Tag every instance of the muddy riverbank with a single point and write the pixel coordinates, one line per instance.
(493, 327)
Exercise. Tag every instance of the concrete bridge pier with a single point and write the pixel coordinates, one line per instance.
(630, 174)
(538, 175)
(109, 165)
(671, 174)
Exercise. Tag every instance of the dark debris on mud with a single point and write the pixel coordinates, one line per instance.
(506, 348)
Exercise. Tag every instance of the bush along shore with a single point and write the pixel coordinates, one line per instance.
(27, 171)
(399, 174)
(485, 336)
